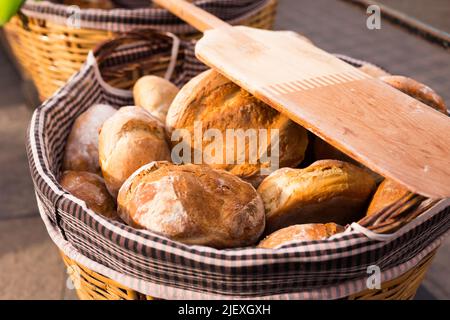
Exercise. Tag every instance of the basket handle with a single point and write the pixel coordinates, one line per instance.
(107, 48)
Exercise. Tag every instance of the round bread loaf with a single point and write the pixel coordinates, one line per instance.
(155, 95)
(81, 153)
(90, 188)
(388, 193)
(300, 232)
(326, 191)
(417, 91)
(129, 139)
(214, 102)
(193, 204)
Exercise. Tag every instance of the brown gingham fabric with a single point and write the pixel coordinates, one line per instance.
(122, 20)
(157, 266)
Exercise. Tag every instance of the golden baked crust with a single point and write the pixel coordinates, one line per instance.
(155, 95)
(81, 152)
(326, 191)
(127, 141)
(300, 232)
(220, 104)
(193, 204)
(417, 90)
(387, 194)
(90, 188)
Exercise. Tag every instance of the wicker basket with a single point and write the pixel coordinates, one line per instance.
(64, 216)
(90, 285)
(50, 52)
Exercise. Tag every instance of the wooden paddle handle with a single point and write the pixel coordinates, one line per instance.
(196, 17)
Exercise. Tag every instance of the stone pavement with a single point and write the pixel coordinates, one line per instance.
(30, 267)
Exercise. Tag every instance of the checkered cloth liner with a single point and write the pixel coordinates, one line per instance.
(157, 266)
(122, 20)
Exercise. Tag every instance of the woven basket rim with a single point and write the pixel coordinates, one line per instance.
(123, 19)
(35, 8)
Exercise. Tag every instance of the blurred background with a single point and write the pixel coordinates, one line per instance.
(412, 41)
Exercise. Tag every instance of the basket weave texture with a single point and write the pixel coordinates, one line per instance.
(90, 285)
(49, 51)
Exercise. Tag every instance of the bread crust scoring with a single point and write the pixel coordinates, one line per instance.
(193, 204)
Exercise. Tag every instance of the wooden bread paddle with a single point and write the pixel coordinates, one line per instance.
(384, 129)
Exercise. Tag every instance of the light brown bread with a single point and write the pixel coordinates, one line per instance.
(155, 95)
(217, 103)
(193, 204)
(417, 90)
(81, 153)
(127, 141)
(300, 232)
(326, 191)
(387, 194)
(90, 188)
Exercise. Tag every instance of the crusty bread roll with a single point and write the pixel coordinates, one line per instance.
(193, 204)
(128, 140)
(300, 232)
(155, 95)
(81, 152)
(326, 191)
(387, 194)
(417, 90)
(90, 188)
(217, 103)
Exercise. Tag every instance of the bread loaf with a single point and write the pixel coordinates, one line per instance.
(214, 102)
(155, 95)
(387, 194)
(300, 232)
(326, 191)
(128, 140)
(81, 153)
(193, 204)
(91, 189)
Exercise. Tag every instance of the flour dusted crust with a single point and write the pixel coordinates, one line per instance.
(155, 95)
(90, 188)
(81, 153)
(128, 140)
(326, 191)
(300, 232)
(193, 204)
(387, 194)
(220, 104)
